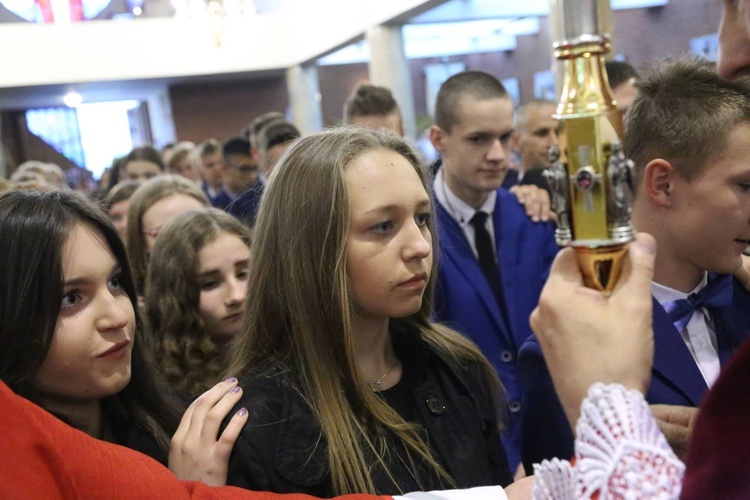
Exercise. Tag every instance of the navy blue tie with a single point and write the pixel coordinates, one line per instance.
(717, 293)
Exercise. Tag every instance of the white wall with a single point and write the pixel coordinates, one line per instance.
(166, 47)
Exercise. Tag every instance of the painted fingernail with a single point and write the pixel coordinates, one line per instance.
(242, 412)
(231, 380)
(236, 389)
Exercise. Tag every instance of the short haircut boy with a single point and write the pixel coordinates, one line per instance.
(274, 134)
(523, 109)
(236, 146)
(684, 113)
(255, 126)
(619, 72)
(683, 122)
(477, 84)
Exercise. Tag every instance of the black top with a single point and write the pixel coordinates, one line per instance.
(411, 472)
(400, 396)
(282, 450)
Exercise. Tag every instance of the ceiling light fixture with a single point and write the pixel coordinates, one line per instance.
(72, 99)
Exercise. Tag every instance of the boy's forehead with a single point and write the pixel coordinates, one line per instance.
(473, 112)
(537, 114)
(734, 151)
(727, 161)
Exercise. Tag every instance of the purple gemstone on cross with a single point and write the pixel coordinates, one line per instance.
(584, 180)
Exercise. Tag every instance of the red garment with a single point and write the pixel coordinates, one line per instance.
(718, 463)
(41, 457)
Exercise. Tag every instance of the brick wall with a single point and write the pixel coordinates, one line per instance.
(643, 35)
(221, 110)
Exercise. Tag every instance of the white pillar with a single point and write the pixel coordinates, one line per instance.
(389, 68)
(304, 98)
(607, 25)
(555, 35)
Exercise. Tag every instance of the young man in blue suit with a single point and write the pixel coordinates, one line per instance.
(688, 132)
(493, 258)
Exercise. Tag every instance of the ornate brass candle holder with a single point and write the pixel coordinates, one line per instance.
(590, 177)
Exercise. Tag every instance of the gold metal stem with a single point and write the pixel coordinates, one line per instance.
(590, 177)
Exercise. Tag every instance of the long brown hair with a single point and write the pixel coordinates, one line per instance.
(189, 357)
(301, 312)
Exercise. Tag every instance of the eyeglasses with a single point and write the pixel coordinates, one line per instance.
(152, 232)
(243, 169)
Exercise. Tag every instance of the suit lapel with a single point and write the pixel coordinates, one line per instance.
(506, 228)
(511, 179)
(455, 247)
(673, 360)
(732, 324)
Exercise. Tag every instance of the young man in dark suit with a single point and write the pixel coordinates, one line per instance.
(688, 132)
(493, 258)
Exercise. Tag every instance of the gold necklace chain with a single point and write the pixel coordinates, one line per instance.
(375, 386)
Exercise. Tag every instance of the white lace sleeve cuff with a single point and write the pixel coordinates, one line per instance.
(620, 453)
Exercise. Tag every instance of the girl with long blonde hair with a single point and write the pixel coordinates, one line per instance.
(349, 386)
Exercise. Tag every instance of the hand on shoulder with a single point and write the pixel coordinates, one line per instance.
(535, 201)
(676, 423)
(197, 452)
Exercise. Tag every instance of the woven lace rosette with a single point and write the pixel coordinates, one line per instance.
(620, 453)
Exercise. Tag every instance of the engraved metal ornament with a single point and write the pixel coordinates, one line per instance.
(620, 195)
(557, 178)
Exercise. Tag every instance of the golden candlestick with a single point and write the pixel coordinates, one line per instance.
(590, 177)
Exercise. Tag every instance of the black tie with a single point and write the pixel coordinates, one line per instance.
(487, 259)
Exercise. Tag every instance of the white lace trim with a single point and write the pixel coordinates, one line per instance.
(554, 479)
(620, 452)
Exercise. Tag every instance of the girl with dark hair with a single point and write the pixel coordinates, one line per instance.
(350, 387)
(195, 296)
(117, 202)
(141, 164)
(69, 329)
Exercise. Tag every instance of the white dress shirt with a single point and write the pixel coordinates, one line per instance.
(699, 334)
(462, 213)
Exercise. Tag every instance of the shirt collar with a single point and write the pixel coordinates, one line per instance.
(664, 294)
(455, 206)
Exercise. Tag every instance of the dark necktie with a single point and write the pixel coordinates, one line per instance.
(717, 293)
(487, 259)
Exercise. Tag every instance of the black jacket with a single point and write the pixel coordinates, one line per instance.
(281, 449)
